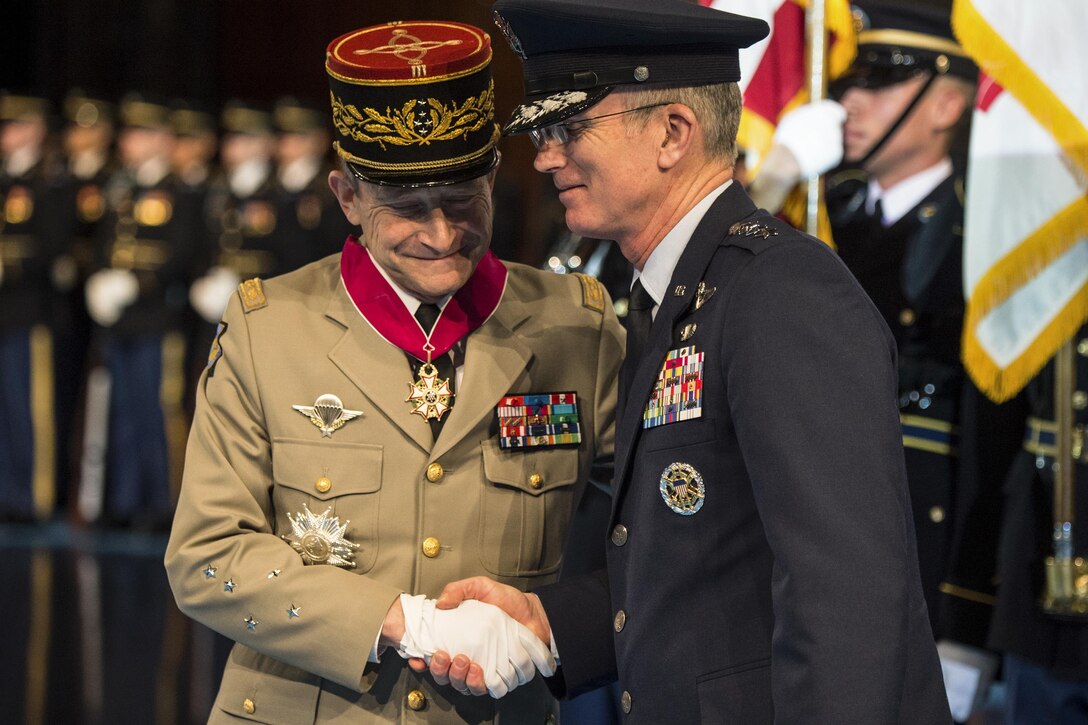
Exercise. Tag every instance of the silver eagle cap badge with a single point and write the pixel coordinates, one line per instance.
(328, 414)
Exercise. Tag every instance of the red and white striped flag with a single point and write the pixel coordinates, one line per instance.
(1026, 225)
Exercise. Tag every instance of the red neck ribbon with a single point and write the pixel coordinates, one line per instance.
(383, 309)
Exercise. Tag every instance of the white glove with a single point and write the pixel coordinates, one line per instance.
(210, 294)
(813, 134)
(508, 652)
(109, 292)
(968, 672)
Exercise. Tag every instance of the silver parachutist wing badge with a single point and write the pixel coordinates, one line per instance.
(328, 414)
(320, 539)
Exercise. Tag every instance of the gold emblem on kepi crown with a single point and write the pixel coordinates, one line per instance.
(430, 396)
(682, 488)
(328, 414)
(320, 539)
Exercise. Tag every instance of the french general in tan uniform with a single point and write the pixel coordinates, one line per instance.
(313, 497)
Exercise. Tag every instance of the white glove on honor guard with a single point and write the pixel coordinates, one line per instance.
(210, 294)
(813, 134)
(108, 293)
(509, 653)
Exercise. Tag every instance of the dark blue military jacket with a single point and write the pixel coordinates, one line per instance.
(792, 594)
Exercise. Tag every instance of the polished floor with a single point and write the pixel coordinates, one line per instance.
(92, 636)
(92, 633)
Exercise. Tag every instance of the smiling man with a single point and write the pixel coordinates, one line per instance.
(761, 565)
(393, 417)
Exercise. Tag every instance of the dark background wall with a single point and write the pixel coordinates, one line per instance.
(208, 51)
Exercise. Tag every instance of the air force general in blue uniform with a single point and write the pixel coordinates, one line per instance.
(761, 553)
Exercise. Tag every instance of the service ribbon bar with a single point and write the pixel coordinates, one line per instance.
(678, 391)
(538, 419)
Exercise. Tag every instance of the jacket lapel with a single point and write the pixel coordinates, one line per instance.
(380, 370)
(730, 207)
(495, 357)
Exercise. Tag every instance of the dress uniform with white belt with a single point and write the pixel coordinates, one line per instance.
(137, 297)
(333, 465)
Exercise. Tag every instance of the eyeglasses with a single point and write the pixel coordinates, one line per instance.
(562, 132)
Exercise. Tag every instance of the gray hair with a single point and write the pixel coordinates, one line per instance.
(717, 106)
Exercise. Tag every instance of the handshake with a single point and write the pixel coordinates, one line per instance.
(478, 636)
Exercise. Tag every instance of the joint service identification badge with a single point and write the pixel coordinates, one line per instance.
(682, 488)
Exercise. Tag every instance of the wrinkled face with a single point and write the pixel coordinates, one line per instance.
(870, 113)
(607, 173)
(428, 240)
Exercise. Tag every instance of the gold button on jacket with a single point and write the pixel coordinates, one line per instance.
(253, 460)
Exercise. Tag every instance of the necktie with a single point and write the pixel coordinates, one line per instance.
(427, 314)
(640, 308)
(878, 216)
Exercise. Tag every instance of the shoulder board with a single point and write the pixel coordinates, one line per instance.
(592, 293)
(752, 229)
(251, 293)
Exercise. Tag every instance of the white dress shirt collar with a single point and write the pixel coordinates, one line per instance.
(908, 193)
(657, 272)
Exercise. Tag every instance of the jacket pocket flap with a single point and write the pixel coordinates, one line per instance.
(531, 471)
(327, 469)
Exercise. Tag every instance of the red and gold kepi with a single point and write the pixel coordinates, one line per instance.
(413, 103)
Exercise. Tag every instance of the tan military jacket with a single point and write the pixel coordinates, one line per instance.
(423, 512)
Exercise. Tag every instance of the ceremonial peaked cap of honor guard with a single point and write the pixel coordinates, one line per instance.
(245, 118)
(292, 115)
(23, 107)
(140, 111)
(897, 42)
(575, 52)
(413, 103)
(87, 111)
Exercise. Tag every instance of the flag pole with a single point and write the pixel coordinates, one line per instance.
(816, 27)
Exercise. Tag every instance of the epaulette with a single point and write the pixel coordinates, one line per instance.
(251, 293)
(592, 293)
(752, 229)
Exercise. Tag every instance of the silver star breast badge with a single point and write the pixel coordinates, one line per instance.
(320, 539)
(328, 414)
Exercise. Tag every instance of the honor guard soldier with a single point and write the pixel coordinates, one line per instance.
(88, 137)
(137, 299)
(28, 251)
(195, 145)
(760, 501)
(242, 214)
(896, 212)
(309, 219)
(383, 421)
